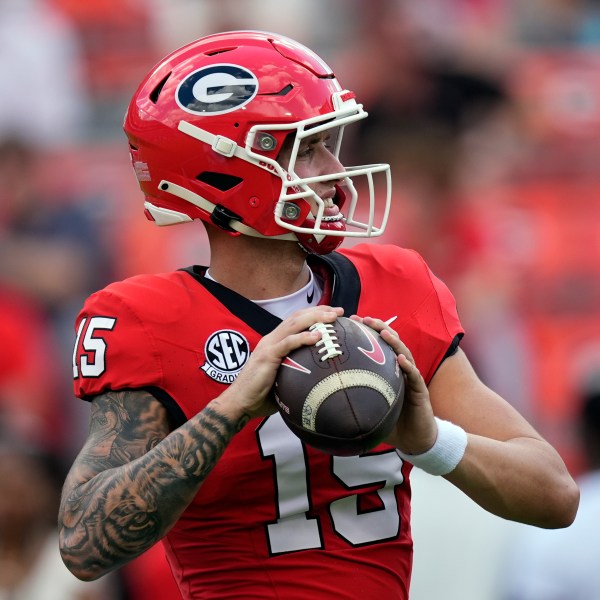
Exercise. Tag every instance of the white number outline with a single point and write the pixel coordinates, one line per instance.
(294, 529)
(94, 346)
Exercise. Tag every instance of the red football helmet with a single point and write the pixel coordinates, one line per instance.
(205, 128)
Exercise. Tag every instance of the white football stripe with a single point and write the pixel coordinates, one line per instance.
(338, 381)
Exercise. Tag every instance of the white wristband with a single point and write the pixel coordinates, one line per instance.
(445, 454)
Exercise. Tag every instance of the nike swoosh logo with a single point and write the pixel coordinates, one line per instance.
(376, 353)
(310, 295)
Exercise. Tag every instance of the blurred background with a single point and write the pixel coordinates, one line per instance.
(488, 111)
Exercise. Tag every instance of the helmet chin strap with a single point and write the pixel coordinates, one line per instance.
(164, 216)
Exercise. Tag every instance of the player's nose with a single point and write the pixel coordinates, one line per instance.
(330, 164)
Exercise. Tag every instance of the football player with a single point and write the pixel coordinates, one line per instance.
(243, 131)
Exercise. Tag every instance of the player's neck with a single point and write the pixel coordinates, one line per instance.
(256, 283)
(259, 269)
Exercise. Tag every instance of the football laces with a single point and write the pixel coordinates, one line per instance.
(327, 346)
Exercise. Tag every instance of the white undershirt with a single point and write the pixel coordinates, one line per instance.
(308, 295)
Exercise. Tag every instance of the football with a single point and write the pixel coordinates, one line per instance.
(342, 395)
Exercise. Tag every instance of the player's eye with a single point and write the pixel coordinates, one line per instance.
(306, 151)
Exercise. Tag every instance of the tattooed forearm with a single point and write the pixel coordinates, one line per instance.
(208, 441)
(133, 479)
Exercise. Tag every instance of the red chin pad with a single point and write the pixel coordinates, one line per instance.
(328, 244)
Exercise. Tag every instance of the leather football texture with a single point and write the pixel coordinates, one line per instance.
(342, 395)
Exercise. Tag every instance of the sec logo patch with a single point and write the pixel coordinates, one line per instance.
(217, 89)
(226, 352)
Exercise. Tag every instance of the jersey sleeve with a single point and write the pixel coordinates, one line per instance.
(434, 316)
(114, 349)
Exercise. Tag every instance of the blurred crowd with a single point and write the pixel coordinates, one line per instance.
(488, 111)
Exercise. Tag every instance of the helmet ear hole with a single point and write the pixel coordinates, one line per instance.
(220, 181)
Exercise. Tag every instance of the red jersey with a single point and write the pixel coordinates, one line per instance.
(275, 518)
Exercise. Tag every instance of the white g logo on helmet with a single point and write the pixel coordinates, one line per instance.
(216, 89)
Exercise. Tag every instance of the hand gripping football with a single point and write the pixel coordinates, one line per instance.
(343, 395)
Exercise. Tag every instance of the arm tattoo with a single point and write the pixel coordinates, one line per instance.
(133, 479)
